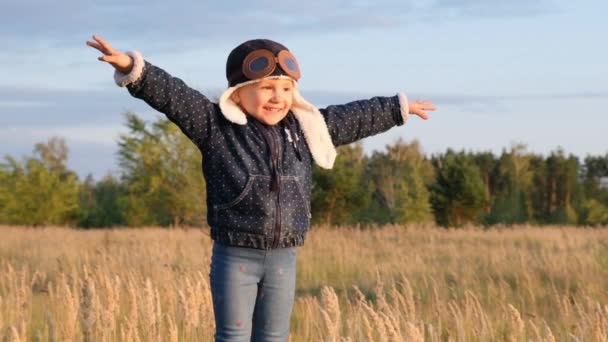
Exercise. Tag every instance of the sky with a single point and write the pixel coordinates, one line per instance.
(500, 72)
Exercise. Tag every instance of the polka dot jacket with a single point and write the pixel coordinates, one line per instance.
(258, 177)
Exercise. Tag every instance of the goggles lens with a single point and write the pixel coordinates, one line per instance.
(291, 64)
(261, 63)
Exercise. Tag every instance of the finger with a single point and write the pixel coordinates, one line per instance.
(429, 107)
(422, 115)
(99, 48)
(95, 45)
(105, 45)
(108, 58)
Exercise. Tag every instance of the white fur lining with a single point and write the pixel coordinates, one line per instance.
(315, 131)
(404, 105)
(136, 72)
(312, 121)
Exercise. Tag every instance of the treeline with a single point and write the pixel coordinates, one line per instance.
(160, 184)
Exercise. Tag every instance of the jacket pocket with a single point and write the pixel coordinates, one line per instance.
(238, 198)
(251, 210)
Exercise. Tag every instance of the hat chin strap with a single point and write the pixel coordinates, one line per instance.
(310, 118)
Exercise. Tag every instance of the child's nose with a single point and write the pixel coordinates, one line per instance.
(276, 96)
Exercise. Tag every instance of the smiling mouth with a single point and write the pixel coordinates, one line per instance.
(273, 109)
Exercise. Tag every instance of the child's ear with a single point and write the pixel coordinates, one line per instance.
(236, 96)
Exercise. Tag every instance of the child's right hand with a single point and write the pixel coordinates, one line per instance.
(420, 107)
(118, 59)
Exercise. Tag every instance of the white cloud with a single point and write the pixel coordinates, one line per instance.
(184, 23)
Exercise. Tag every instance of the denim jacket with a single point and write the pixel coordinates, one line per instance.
(258, 177)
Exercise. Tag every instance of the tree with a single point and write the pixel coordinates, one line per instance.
(53, 154)
(594, 210)
(337, 195)
(513, 183)
(458, 195)
(40, 190)
(594, 213)
(102, 204)
(487, 164)
(593, 170)
(595, 166)
(162, 174)
(555, 188)
(399, 179)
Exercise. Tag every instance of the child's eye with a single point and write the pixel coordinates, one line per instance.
(287, 89)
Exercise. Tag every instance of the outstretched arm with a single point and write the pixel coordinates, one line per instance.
(190, 110)
(360, 119)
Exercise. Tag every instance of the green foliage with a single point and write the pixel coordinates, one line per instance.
(337, 194)
(398, 179)
(555, 188)
(161, 174)
(596, 166)
(40, 190)
(102, 204)
(594, 169)
(511, 201)
(487, 165)
(457, 195)
(161, 184)
(594, 213)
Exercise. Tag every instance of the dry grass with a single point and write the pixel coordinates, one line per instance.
(389, 284)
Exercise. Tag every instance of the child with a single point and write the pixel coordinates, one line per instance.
(258, 145)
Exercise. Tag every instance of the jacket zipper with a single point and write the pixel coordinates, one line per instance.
(276, 158)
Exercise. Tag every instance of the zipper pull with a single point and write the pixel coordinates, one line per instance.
(288, 132)
(293, 142)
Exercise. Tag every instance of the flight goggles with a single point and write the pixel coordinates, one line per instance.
(261, 63)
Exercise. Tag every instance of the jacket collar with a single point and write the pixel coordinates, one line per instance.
(310, 118)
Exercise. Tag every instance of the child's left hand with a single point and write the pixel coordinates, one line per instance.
(419, 107)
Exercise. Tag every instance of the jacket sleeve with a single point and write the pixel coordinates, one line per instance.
(190, 110)
(356, 120)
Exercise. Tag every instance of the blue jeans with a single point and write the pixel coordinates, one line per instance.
(253, 292)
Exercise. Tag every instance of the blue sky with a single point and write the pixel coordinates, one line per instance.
(501, 72)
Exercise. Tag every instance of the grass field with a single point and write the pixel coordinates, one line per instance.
(383, 284)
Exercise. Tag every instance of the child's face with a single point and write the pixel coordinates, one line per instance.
(268, 101)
